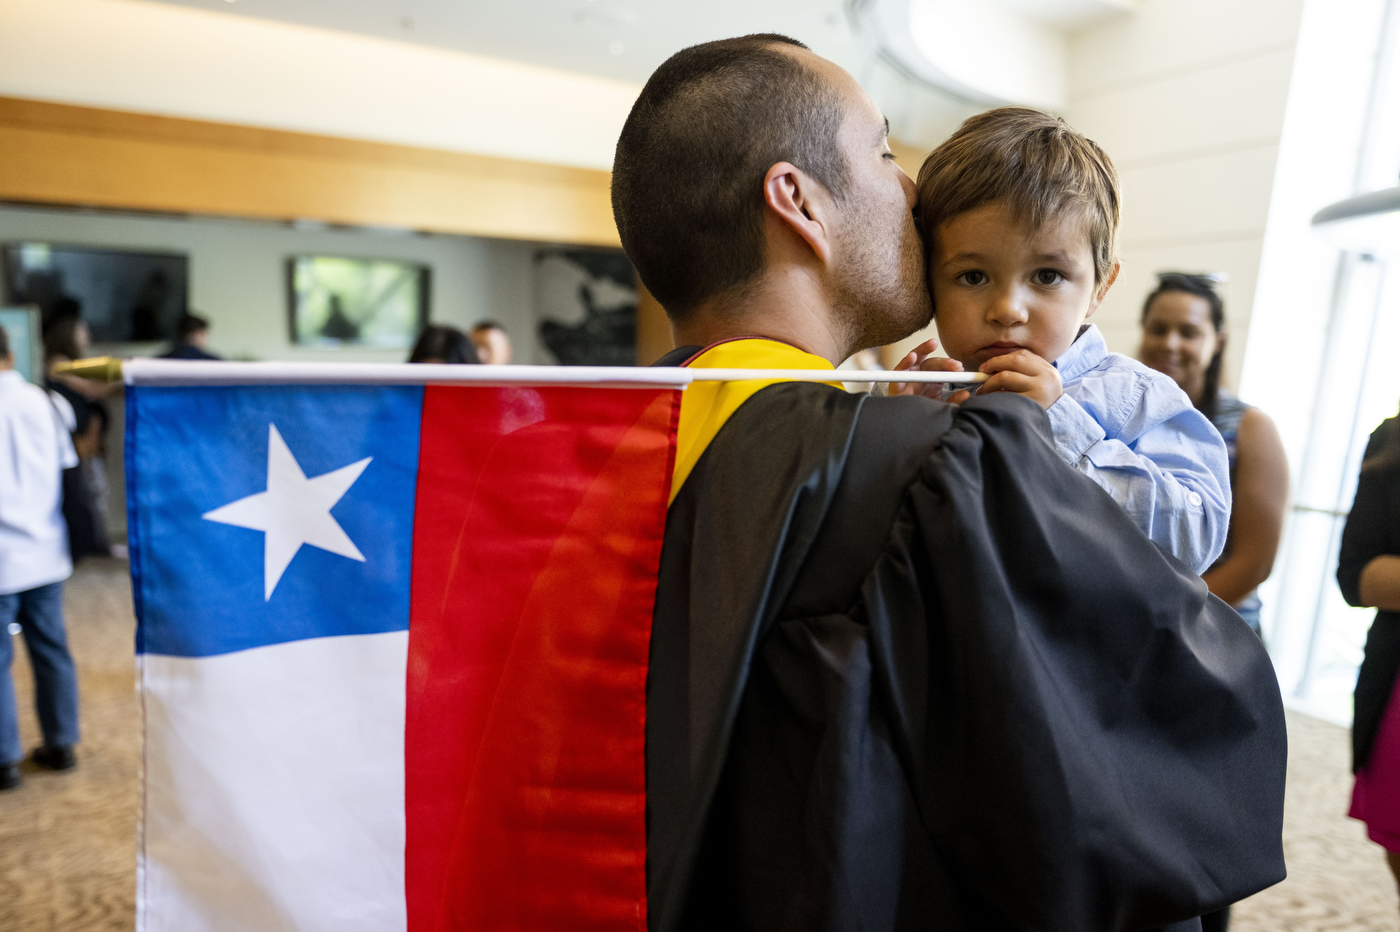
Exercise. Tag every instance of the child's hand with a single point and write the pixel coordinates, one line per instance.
(921, 357)
(1024, 373)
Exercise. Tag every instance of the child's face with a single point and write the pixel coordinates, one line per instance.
(999, 286)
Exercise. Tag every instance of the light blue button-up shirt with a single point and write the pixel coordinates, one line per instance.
(1135, 433)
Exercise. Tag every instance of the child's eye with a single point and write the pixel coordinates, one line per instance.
(973, 277)
(1047, 277)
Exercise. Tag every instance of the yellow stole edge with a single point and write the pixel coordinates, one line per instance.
(707, 406)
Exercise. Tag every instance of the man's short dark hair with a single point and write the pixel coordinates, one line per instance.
(487, 325)
(188, 325)
(687, 185)
(4, 343)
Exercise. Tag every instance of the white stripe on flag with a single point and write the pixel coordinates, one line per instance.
(275, 788)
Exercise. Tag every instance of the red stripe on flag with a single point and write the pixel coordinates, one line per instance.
(537, 539)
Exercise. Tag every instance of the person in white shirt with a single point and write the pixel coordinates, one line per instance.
(35, 448)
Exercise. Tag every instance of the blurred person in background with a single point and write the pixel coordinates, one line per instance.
(492, 343)
(191, 335)
(66, 338)
(85, 485)
(442, 344)
(1183, 336)
(35, 449)
(1368, 572)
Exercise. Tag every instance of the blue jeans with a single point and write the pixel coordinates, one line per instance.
(40, 612)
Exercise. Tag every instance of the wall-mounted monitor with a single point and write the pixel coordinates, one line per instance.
(338, 301)
(123, 296)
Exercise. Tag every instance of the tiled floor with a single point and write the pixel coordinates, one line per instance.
(1337, 879)
(67, 841)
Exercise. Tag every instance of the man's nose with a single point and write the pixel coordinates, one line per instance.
(911, 191)
(1173, 341)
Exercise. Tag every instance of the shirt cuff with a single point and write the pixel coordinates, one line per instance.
(1075, 431)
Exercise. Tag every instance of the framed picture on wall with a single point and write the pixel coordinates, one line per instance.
(586, 306)
(340, 301)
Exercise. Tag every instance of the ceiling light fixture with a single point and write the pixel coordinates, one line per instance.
(1365, 223)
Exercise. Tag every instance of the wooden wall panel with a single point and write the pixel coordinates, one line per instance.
(62, 154)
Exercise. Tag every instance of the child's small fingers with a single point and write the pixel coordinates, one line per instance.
(1007, 380)
(940, 364)
(1019, 361)
(925, 348)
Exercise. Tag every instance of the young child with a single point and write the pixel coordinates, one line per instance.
(1020, 216)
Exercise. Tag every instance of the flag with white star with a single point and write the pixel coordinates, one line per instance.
(374, 621)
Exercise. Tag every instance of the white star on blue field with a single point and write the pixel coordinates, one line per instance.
(267, 514)
(294, 510)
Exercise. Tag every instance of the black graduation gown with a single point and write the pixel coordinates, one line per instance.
(911, 671)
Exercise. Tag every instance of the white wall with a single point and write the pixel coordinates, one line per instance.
(1320, 163)
(1188, 98)
(238, 272)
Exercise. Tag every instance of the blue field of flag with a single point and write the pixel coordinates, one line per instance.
(266, 514)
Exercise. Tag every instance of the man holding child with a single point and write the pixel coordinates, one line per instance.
(919, 664)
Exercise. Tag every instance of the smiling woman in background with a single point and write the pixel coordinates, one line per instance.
(1183, 336)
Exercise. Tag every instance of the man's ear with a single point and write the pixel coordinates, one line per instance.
(802, 204)
(1101, 291)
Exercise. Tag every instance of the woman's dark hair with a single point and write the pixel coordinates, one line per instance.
(446, 343)
(61, 337)
(1201, 286)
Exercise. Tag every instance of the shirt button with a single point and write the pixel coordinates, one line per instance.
(1194, 499)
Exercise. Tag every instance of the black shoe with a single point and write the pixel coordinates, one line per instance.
(55, 758)
(9, 776)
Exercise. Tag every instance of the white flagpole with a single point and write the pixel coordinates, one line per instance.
(188, 372)
(835, 375)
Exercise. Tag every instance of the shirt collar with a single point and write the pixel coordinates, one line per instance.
(1086, 352)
